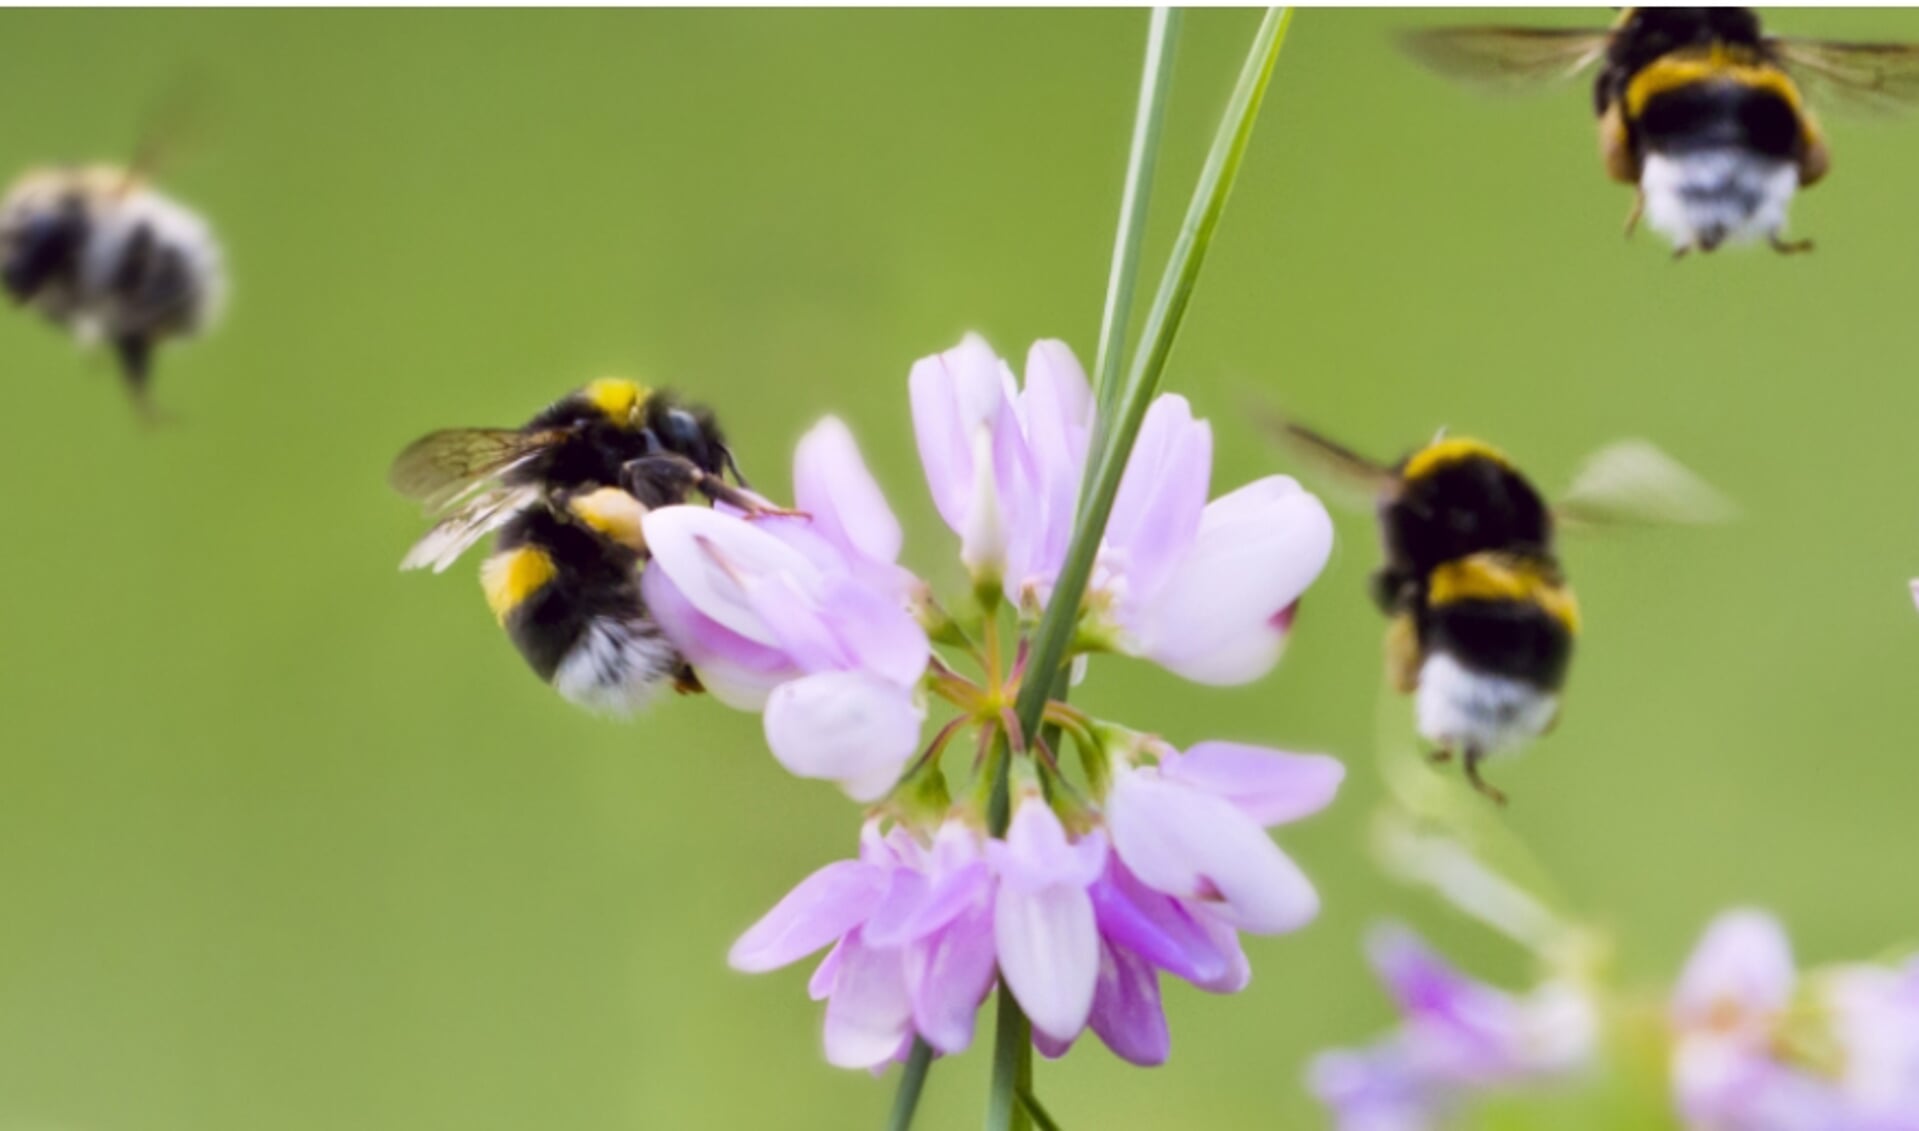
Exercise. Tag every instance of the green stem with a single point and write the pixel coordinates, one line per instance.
(912, 1081)
(1037, 1111)
(1012, 1065)
(1156, 342)
(1115, 430)
(1176, 288)
(1154, 85)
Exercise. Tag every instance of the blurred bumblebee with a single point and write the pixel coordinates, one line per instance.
(1482, 619)
(102, 253)
(566, 494)
(1698, 109)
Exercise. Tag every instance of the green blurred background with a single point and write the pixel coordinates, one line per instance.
(290, 841)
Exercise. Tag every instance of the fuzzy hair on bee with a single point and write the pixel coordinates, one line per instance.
(1481, 620)
(565, 585)
(565, 496)
(108, 257)
(1700, 110)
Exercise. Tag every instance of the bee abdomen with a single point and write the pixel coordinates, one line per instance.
(1514, 639)
(1721, 114)
(1460, 708)
(571, 603)
(616, 666)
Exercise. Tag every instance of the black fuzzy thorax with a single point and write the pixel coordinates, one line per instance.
(1460, 508)
(595, 450)
(593, 578)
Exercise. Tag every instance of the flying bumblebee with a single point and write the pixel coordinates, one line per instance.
(566, 494)
(1482, 619)
(1698, 109)
(102, 253)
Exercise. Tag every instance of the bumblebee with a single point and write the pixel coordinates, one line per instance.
(566, 494)
(103, 254)
(1482, 621)
(1698, 109)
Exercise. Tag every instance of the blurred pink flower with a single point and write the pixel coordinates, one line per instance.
(1203, 589)
(1456, 1037)
(1758, 1048)
(802, 618)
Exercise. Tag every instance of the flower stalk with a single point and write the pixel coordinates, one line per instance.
(1117, 425)
(1107, 462)
(1148, 122)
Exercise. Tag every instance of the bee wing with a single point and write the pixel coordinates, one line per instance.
(1359, 481)
(482, 514)
(1508, 56)
(174, 124)
(1872, 77)
(441, 470)
(455, 475)
(1633, 483)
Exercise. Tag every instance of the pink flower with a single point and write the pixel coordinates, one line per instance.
(911, 930)
(1190, 867)
(1043, 923)
(921, 925)
(804, 618)
(1203, 589)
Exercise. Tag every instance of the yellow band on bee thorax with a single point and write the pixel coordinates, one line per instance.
(1444, 453)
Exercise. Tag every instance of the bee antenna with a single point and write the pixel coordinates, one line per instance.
(733, 466)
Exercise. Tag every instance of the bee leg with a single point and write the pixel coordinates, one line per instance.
(1474, 756)
(1638, 210)
(1439, 755)
(686, 681)
(660, 480)
(1680, 253)
(665, 480)
(1788, 247)
(136, 369)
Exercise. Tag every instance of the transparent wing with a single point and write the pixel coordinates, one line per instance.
(441, 468)
(480, 515)
(1633, 483)
(456, 476)
(175, 123)
(1358, 482)
(1508, 56)
(1877, 78)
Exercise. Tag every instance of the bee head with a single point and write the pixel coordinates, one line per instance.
(39, 248)
(693, 433)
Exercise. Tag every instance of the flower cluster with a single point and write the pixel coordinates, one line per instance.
(1205, 589)
(1136, 859)
(1080, 921)
(1456, 1037)
(1758, 1048)
(1754, 1046)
